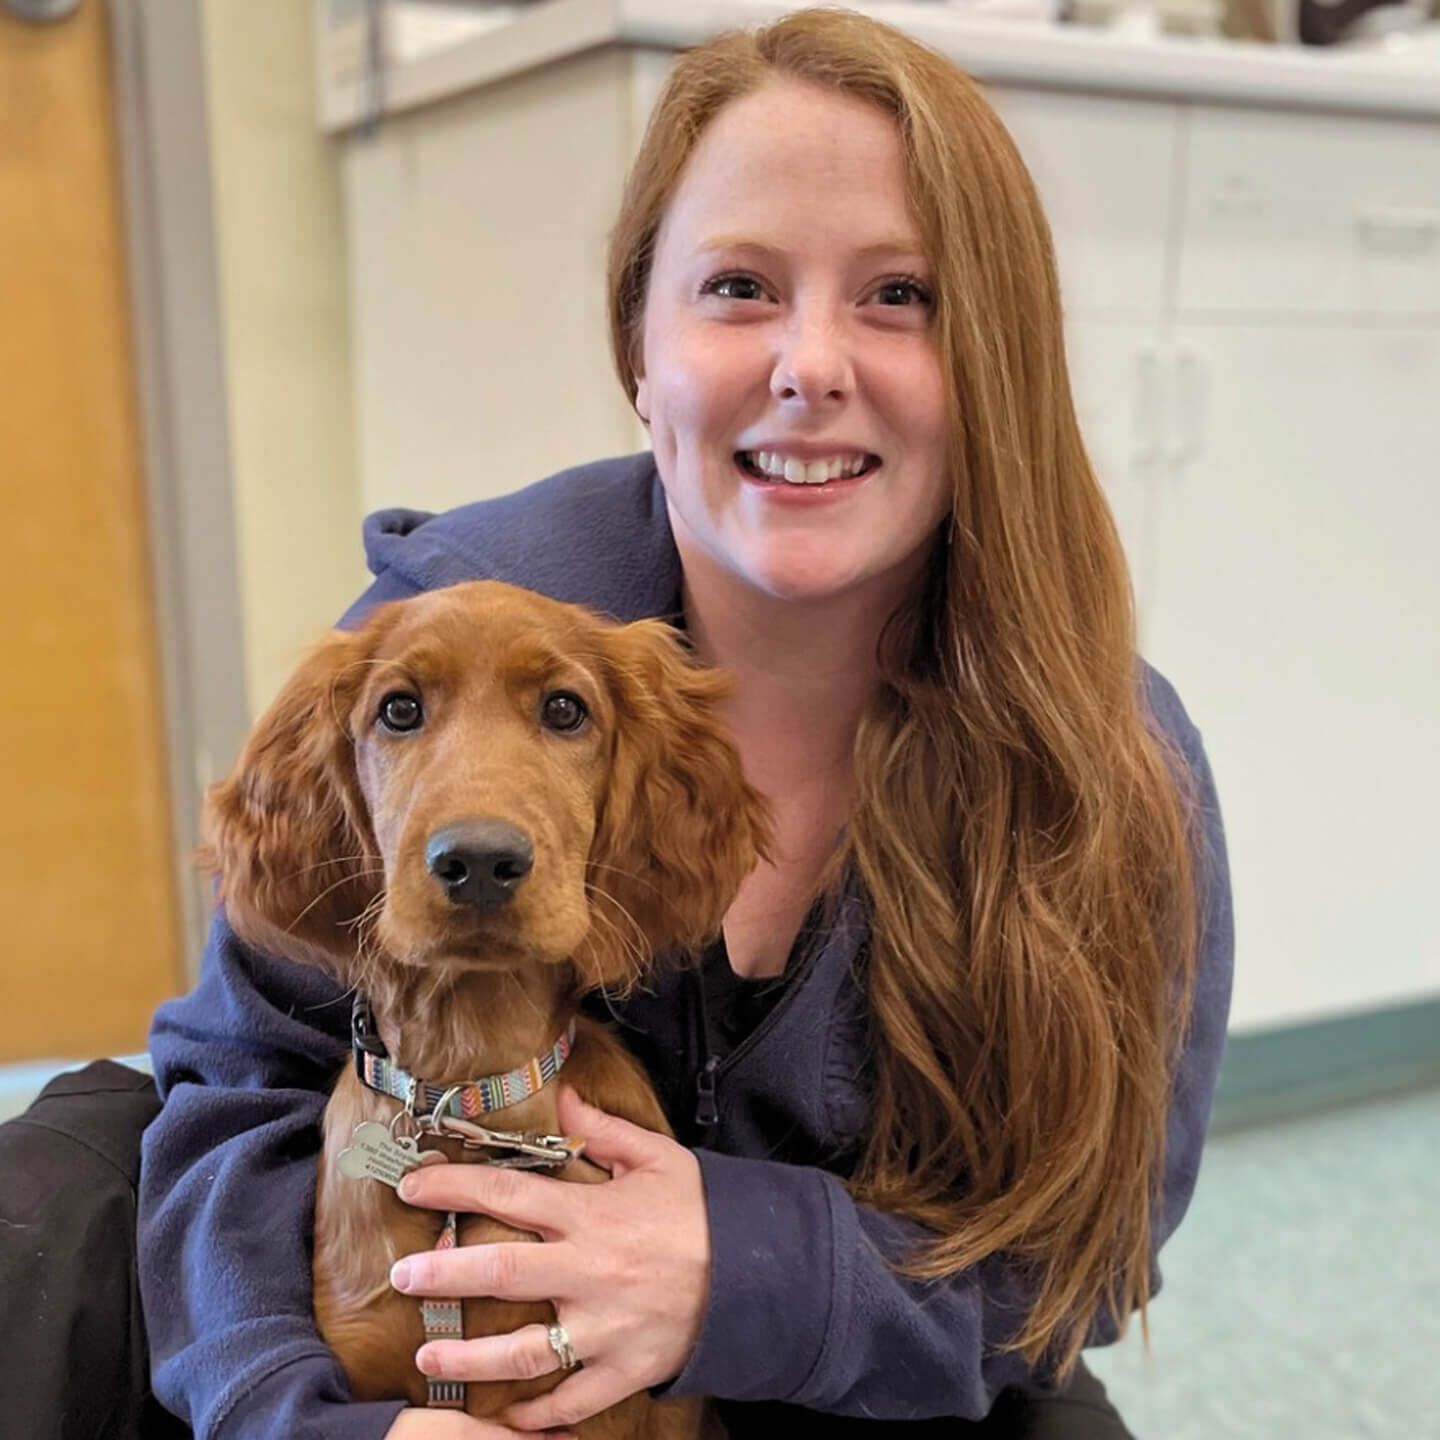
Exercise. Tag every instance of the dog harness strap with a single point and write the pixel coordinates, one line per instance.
(443, 1320)
(475, 1097)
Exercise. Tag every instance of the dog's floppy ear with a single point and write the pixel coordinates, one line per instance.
(287, 833)
(679, 826)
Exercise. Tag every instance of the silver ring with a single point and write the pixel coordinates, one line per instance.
(559, 1339)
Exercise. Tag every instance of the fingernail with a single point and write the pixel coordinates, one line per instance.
(406, 1188)
(427, 1363)
(400, 1275)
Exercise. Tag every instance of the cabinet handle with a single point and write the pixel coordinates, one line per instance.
(1190, 397)
(1149, 406)
(1398, 230)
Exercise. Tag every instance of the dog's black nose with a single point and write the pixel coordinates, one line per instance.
(480, 862)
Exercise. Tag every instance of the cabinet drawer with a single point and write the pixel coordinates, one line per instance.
(1105, 169)
(1310, 214)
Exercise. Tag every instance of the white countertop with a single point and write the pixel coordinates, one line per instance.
(437, 50)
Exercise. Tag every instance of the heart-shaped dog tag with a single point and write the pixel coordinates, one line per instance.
(377, 1155)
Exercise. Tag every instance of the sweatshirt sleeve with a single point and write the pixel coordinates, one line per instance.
(244, 1063)
(805, 1306)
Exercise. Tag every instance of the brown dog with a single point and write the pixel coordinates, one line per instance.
(473, 809)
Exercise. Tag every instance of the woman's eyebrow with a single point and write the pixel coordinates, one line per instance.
(906, 246)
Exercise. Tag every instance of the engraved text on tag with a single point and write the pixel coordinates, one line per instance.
(373, 1153)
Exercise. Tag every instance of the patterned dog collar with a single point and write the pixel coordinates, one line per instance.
(466, 1100)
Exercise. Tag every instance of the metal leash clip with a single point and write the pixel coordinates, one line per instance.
(528, 1151)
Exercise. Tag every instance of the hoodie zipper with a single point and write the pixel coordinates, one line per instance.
(712, 1068)
(707, 1109)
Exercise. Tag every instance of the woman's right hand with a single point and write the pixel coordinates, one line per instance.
(416, 1424)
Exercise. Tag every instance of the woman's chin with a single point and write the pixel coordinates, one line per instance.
(802, 584)
(818, 567)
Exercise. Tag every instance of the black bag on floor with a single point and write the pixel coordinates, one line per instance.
(73, 1362)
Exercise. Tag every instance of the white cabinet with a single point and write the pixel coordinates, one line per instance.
(1310, 214)
(1297, 611)
(476, 234)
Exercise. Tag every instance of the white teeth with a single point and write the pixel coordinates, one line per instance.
(798, 472)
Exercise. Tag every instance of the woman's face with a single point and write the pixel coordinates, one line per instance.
(789, 336)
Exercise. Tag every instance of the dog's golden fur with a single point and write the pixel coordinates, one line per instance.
(642, 828)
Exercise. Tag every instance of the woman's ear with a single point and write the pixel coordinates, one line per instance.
(636, 358)
(287, 833)
(679, 826)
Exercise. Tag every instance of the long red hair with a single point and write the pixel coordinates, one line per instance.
(1021, 828)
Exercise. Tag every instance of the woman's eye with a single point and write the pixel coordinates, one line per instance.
(903, 292)
(400, 711)
(734, 287)
(563, 711)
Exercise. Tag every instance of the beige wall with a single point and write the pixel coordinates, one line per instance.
(285, 333)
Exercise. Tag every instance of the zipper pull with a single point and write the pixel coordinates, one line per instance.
(707, 1113)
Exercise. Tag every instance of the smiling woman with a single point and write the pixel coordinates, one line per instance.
(940, 1082)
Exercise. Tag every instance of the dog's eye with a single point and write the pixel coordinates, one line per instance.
(400, 711)
(563, 711)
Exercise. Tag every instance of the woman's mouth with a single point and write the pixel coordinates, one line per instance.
(778, 468)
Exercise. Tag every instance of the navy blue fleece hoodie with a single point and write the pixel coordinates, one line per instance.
(803, 1307)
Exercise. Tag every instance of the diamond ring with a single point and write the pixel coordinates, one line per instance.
(559, 1339)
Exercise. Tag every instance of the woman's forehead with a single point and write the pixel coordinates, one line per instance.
(793, 156)
(798, 129)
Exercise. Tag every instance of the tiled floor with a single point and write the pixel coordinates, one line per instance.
(1302, 1292)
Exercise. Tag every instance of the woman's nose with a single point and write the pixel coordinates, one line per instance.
(813, 365)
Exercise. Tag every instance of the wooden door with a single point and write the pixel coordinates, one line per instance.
(89, 930)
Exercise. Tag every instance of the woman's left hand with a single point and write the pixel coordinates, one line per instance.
(626, 1263)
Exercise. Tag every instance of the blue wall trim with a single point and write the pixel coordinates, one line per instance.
(1275, 1074)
